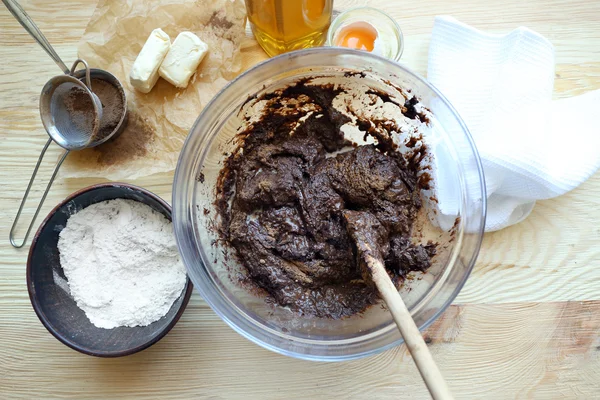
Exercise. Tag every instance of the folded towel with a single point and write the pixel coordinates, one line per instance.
(531, 147)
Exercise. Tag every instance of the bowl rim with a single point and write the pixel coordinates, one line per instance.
(36, 304)
(232, 320)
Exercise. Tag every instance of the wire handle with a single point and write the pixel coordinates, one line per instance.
(25, 20)
(37, 211)
(88, 80)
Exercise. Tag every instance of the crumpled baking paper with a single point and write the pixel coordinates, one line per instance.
(160, 120)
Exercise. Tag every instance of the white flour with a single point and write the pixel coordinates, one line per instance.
(121, 262)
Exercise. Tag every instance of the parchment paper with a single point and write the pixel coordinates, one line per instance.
(160, 120)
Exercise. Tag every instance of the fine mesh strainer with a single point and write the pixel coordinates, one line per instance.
(70, 111)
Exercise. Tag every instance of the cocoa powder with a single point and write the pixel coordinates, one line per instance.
(112, 106)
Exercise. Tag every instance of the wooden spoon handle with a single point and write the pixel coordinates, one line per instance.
(412, 337)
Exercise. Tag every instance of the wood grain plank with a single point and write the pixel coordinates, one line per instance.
(525, 326)
(520, 350)
(551, 256)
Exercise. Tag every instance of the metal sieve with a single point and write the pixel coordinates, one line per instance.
(70, 111)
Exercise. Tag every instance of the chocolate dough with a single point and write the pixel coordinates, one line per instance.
(281, 198)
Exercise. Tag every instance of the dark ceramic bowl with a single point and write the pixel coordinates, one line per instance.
(56, 308)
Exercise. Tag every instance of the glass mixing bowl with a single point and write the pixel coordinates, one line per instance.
(458, 231)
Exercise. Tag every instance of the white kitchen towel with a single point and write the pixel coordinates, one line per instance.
(531, 147)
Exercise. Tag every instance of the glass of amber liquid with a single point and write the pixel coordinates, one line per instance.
(280, 26)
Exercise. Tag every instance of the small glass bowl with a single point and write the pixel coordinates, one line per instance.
(387, 27)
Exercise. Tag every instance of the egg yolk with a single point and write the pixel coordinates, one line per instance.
(359, 35)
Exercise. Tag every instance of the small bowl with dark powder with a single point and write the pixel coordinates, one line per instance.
(273, 164)
(114, 103)
(103, 272)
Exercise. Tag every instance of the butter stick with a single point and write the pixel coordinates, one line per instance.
(144, 73)
(183, 58)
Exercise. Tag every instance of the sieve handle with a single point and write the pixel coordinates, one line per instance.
(25, 20)
(88, 80)
(37, 211)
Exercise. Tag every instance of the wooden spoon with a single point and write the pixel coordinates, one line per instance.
(368, 235)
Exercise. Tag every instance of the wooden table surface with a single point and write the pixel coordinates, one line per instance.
(526, 325)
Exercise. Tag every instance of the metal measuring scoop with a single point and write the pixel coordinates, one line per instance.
(70, 111)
